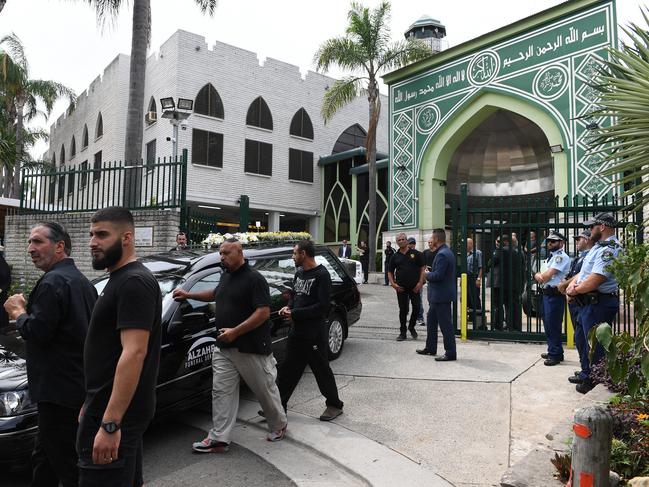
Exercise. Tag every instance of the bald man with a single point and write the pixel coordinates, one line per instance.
(242, 320)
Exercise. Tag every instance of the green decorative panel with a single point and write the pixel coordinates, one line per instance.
(548, 66)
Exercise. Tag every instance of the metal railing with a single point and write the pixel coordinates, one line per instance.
(77, 188)
(507, 301)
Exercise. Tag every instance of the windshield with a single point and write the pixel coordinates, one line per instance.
(166, 283)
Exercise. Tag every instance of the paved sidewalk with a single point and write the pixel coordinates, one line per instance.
(468, 420)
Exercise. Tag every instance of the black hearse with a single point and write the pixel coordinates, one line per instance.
(189, 335)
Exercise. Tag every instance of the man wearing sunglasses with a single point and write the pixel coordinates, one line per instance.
(596, 288)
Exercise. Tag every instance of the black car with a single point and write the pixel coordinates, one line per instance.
(188, 335)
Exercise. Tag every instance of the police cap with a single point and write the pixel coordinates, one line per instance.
(583, 234)
(602, 219)
(555, 236)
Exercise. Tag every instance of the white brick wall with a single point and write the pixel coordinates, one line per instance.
(182, 66)
(17, 228)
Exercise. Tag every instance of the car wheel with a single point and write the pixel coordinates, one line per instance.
(335, 336)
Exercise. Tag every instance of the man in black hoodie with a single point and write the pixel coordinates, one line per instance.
(307, 340)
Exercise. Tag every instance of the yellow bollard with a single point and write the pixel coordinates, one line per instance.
(463, 307)
(570, 329)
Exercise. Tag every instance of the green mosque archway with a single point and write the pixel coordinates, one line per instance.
(440, 149)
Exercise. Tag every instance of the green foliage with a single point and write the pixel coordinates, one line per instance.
(628, 356)
(562, 462)
(623, 85)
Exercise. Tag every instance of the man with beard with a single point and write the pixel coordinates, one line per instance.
(308, 309)
(121, 357)
(596, 289)
(181, 242)
(242, 318)
(54, 324)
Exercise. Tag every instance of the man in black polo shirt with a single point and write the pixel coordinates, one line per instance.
(406, 275)
(243, 308)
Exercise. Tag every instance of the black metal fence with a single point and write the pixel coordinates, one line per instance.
(510, 234)
(77, 188)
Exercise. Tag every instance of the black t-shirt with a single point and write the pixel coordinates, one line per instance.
(406, 268)
(429, 256)
(310, 302)
(237, 296)
(131, 299)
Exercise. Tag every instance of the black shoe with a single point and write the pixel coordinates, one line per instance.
(401, 338)
(445, 358)
(585, 386)
(547, 355)
(413, 333)
(424, 351)
(551, 361)
(577, 373)
(575, 379)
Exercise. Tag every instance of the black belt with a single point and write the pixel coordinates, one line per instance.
(550, 291)
(615, 295)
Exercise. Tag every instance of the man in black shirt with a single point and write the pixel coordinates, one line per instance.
(243, 308)
(388, 253)
(121, 357)
(308, 309)
(54, 324)
(406, 275)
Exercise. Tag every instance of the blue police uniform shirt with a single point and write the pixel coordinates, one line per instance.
(560, 261)
(607, 250)
(587, 264)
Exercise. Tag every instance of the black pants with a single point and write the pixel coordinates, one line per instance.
(473, 293)
(299, 354)
(126, 471)
(408, 296)
(55, 458)
(365, 264)
(513, 309)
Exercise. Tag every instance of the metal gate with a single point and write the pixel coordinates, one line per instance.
(504, 302)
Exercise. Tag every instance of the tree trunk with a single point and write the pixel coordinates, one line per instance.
(135, 111)
(2, 4)
(15, 192)
(375, 109)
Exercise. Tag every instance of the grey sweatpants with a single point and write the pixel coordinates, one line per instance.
(229, 366)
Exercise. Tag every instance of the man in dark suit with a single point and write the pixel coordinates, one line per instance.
(345, 250)
(54, 323)
(442, 291)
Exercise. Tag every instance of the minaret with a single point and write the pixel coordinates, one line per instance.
(430, 31)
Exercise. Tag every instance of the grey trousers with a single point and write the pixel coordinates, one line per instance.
(229, 366)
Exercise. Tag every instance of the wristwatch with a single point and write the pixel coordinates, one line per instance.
(110, 426)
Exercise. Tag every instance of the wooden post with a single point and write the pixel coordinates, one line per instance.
(591, 448)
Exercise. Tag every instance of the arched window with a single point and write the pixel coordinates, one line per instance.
(259, 114)
(73, 148)
(84, 137)
(62, 161)
(99, 131)
(208, 102)
(301, 125)
(151, 113)
(351, 138)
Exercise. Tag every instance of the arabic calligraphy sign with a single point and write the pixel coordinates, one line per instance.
(549, 65)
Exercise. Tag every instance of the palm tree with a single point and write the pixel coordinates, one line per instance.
(366, 50)
(20, 97)
(623, 85)
(2, 4)
(140, 37)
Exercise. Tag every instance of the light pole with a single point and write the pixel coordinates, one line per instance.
(176, 117)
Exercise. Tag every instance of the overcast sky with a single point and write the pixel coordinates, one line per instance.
(63, 41)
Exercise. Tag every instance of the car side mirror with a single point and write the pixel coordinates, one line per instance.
(189, 323)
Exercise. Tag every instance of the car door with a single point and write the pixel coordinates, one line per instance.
(185, 364)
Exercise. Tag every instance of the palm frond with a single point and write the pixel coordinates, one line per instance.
(342, 52)
(207, 6)
(403, 52)
(11, 45)
(49, 92)
(623, 85)
(340, 94)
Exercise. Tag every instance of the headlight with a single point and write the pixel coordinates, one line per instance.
(15, 402)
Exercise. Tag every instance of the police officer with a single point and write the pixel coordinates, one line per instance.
(596, 289)
(583, 244)
(554, 303)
